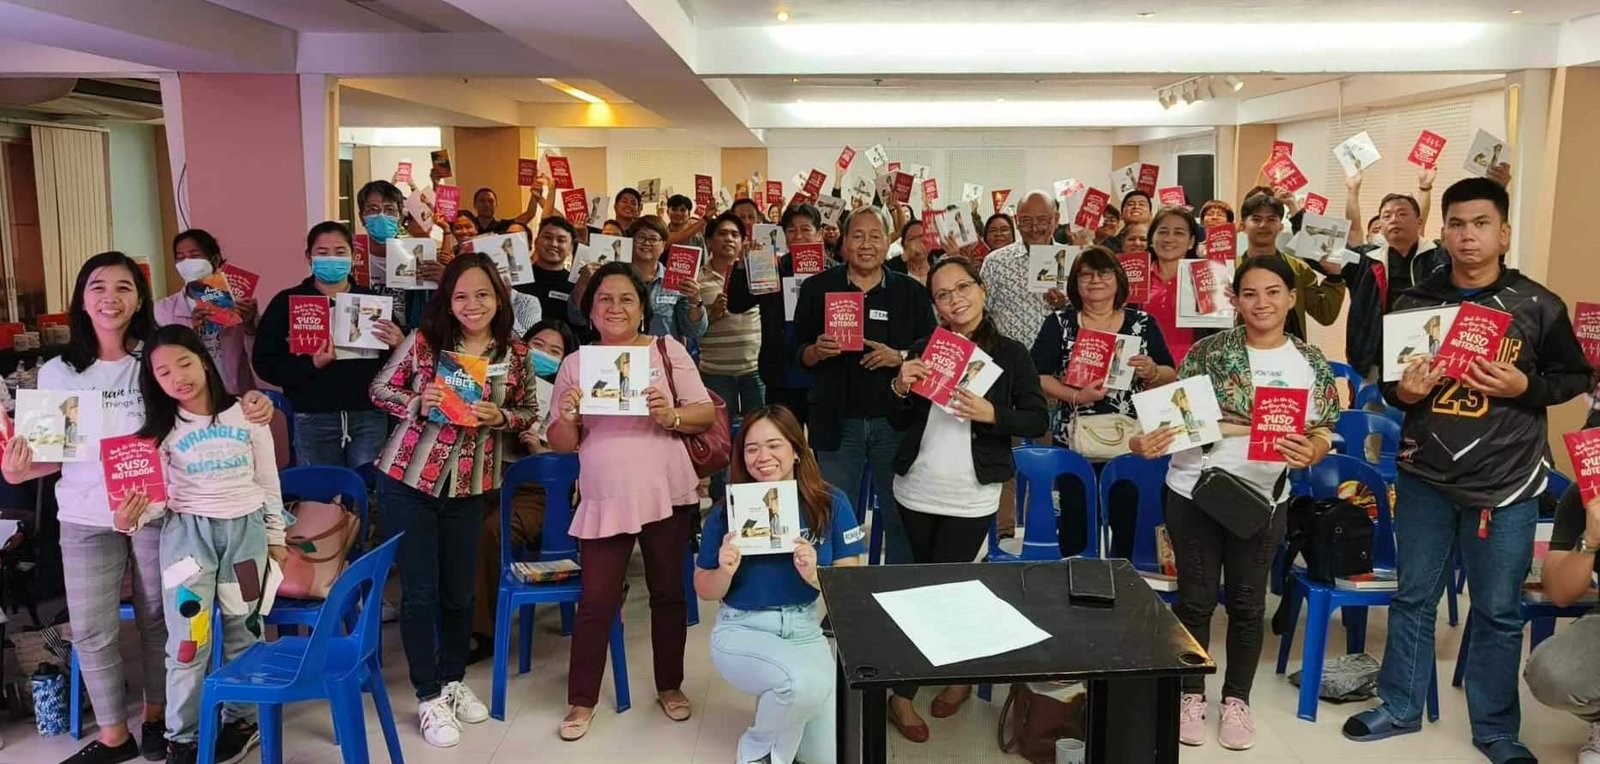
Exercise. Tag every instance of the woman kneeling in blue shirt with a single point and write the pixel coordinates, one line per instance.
(768, 640)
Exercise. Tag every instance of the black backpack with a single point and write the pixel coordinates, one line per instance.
(1335, 537)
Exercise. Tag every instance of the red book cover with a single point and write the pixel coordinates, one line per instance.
(1222, 244)
(446, 202)
(930, 228)
(1172, 196)
(527, 172)
(1282, 172)
(309, 323)
(1586, 324)
(1278, 411)
(703, 193)
(575, 205)
(1316, 204)
(241, 283)
(892, 167)
(1429, 146)
(844, 318)
(846, 157)
(1093, 209)
(946, 356)
(1137, 267)
(1584, 449)
(774, 192)
(1148, 175)
(465, 380)
(814, 181)
(1476, 333)
(1204, 278)
(901, 187)
(683, 264)
(560, 172)
(1282, 149)
(441, 162)
(801, 198)
(131, 462)
(1090, 360)
(360, 245)
(808, 259)
(51, 319)
(402, 172)
(999, 197)
(930, 191)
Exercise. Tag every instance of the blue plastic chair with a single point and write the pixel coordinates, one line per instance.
(1148, 477)
(1037, 470)
(557, 473)
(319, 483)
(333, 663)
(1356, 427)
(281, 403)
(1352, 378)
(1371, 397)
(1322, 481)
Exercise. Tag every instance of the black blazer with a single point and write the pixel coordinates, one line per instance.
(1019, 412)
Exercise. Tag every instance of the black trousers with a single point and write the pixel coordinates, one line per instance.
(794, 399)
(941, 538)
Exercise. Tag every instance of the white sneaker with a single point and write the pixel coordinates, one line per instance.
(467, 706)
(389, 613)
(439, 724)
(1590, 752)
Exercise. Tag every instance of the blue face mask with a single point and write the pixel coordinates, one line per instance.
(381, 227)
(544, 364)
(330, 270)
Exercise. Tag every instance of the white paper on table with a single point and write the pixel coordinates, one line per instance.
(950, 623)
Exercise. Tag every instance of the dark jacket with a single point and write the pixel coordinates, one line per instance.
(339, 386)
(1492, 452)
(1019, 412)
(1368, 285)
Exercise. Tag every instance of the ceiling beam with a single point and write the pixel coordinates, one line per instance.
(19, 58)
(172, 35)
(481, 54)
(446, 97)
(1359, 92)
(576, 115)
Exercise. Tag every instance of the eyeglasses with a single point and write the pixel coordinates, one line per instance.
(1088, 275)
(963, 289)
(648, 241)
(385, 209)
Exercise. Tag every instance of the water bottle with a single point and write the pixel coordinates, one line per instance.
(1070, 750)
(49, 700)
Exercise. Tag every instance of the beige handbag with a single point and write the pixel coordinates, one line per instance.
(1102, 437)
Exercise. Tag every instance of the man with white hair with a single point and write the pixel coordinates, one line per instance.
(1018, 312)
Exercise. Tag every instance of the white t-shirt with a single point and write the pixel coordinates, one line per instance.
(943, 480)
(1282, 366)
(81, 493)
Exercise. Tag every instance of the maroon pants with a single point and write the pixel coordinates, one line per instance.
(665, 544)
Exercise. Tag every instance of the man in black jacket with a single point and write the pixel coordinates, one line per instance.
(1377, 280)
(1473, 462)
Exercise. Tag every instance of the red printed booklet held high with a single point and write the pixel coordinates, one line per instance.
(575, 204)
(241, 283)
(310, 325)
(560, 171)
(1584, 448)
(1172, 196)
(844, 318)
(1476, 333)
(683, 264)
(1093, 209)
(1427, 150)
(900, 186)
(1222, 244)
(1090, 360)
(1136, 265)
(1586, 324)
(1282, 172)
(527, 172)
(130, 463)
(1316, 204)
(1278, 411)
(808, 259)
(945, 356)
(465, 379)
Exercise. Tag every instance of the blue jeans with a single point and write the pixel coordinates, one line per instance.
(1425, 528)
(742, 395)
(340, 438)
(869, 443)
(780, 656)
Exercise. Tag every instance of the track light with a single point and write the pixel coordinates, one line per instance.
(1211, 88)
(1167, 99)
(1234, 82)
(1191, 92)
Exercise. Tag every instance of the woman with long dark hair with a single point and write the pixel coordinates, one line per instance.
(768, 640)
(435, 475)
(952, 463)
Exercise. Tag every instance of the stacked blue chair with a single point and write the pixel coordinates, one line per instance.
(1356, 427)
(281, 403)
(1371, 397)
(1351, 377)
(1037, 470)
(335, 663)
(1148, 477)
(556, 473)
(1322, 481)
(319, 483)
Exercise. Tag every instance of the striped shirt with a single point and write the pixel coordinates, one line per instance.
(731, 345)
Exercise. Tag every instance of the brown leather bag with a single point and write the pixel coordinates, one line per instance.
(1031, 723)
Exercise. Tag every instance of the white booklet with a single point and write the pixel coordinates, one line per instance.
(598, 206)
(613, 379)
(354, 316)
(1124, 180)
(1120, 376)
(1187, 404)
(509, 253)
(861, 190)
(601, 249)
(1357, 153)
(977, 377)
(770, 237)
(832, 208)
(649, 189)
(764, 517)
(877, 157)
(955, 224)
(403, 258)
(1191, 313)
(1412, 334)
(1486, 151)
(1048, 265)
(1322, 236)
(542, 392)
(971, 192)
(61, 425)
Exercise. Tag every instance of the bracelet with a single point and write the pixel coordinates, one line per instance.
(894, 387)
(677, 420)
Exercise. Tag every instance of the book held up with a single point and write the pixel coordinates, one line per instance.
(1090, 360)
(764, 517)
(1189, 404)
(131, 463)
(844, 319)
(1584, 449)
(954, 363)
(61, 425)
(1277, 412)
(1476, 333)
(310, 324)
(1409, 335)
(241, 283)
(213, 300)
(1136, 266)
(354, 318)
(465, 381)
(403, 258)
(613, 379)
(1485, 152)
(1586, 324)
(1428, 147)
(1048, 265)
(1357, 153)
(601, 249)
(683, 264)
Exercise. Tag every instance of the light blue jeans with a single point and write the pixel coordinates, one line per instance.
(871, 443)
(780, 656)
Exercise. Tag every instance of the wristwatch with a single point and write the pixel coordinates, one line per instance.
(1583, 546)
(905, 355)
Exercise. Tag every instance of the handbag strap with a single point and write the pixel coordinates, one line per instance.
(666, 363)
(1277, 486)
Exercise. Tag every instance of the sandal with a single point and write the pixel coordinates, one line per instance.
(574, 729)
(942, 710)
(916, 733)
(1375, 724)
(677, 709)
(1506, 751)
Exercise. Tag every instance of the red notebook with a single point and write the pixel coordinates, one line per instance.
(846, 156)
(774, 192)
(1584, 449)
(1206, 287)
(1282, 149)
(901, 187)
(814, 181)
(1316, 204)
(1282, 172)
(1090, 360)
(999, 196)
(946, 356)
(844, 319)
(575, 205)
(560, 172)
(441, 161)
(1148, 175)
(360, 245)
(930, 228)
(683, 264)
(402, 172)
(1094, 208)
(527, 172)
(1222, 244)
(131, 462)
(703, 193)
(808, 259)
(1476, 333)
(930, 191)
(1278, 411)
(1427, 150)
(1172, 196)
(310, 326)
(1136, 265)
(1586, 324)
(446, 202)
(241, 283)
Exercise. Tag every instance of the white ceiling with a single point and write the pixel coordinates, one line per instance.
(1020, 87)
(359, 15)
(720, 13)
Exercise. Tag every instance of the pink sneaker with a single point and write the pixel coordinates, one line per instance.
(1238, 731)
(1192, 719)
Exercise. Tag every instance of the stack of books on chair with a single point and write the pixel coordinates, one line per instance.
(545, 572)
(1165, 579)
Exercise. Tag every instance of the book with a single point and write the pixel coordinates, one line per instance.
(1428, 147)
(1320, 237)
(844, 317)
(1379, 579)
(1282, 172)
(354, 316)
(900, 186)
(970, 193)
(1136, 266)
(832, 209)
(1125, 180)
(1166, 559)
(954, 363)
(1172, 196)
(1485, 152)
(560, 171)
(770, 236)
(1149, 175)
(61, 425)
(441, 161)
(1189, 404)
(213, 300)
(683, 264)
(130, 463)
(761, 270)
(613, 379)
(1092, 209)
(549, 572)
(403, 257)
(1357, 153)
(597, 209)
(876, 156)
(1281, 149)
(360, 264)
(310, 325)
(956, 225)
(998, 197)
(601, 249)
(1222, 241)
(416, 206)
(402, 172)
(527, 172)
(508, 251)
(764, 517)
(808, 258)
(1412, 334)
(791, 295)
(543, 392)
(704, 195)
(813, 184)
(1120, 375)
(1586, 324)
(241, 283)
(649, 190)
(846, 156)
(1202, 301)
(930, 192)
(574, 205)
(465, 381)
(1316, 204)
(1476, 333)
(1090, 359)
(1048, 265)
(932, 220)
(1583, 447)
(774, 192)
(1276, 412)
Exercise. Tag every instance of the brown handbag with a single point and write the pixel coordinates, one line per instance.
(1031, 723)
(709, 451)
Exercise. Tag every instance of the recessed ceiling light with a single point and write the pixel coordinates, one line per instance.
(1516, 12)
(783, 15)
(1147, 14)
(999, 100)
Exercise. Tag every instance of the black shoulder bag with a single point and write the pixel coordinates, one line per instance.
(1234, 503)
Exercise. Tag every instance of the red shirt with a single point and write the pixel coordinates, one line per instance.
(1163, 307)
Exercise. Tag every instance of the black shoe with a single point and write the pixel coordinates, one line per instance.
(236, 740)
(100, 753)
(182, 753)
(482, 649)
(153, 741)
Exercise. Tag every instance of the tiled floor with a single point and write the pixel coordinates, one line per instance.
(644, 736)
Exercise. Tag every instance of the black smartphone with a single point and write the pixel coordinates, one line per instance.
(1090, 580)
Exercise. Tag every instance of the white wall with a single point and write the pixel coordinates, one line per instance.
(135, 198)
(386, 158)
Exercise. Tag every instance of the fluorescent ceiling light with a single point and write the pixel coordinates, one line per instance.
(990, 113)
(578, 93)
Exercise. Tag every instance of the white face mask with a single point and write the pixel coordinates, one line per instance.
(193, 269)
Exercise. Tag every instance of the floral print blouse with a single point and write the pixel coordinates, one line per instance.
(1053, 347)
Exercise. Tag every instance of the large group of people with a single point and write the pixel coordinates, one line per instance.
(834, 420)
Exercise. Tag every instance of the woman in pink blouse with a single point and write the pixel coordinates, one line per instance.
(635, 483)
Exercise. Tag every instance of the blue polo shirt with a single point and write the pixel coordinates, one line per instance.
(770, 580)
